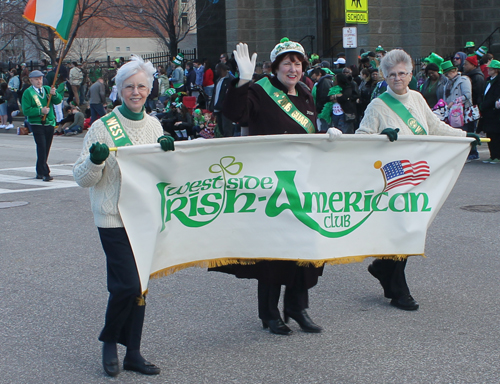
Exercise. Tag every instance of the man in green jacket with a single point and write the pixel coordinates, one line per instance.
(41, 117)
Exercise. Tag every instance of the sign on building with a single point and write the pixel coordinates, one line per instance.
(350, 37)
(356, 11)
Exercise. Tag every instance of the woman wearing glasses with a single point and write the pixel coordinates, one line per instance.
(96, 169)
(384, 116)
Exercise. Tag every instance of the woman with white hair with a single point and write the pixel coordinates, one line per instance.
(401, 110)
(96, 169)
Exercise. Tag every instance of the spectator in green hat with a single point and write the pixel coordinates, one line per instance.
(470, 48)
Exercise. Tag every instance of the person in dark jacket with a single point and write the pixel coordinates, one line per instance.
(178, 122)
(190, 77)
(472, 70)
(433, 87)
(346, 100)
(323, 86)
(490, 112)
(478, 83)
(253, 102)
(225, 125)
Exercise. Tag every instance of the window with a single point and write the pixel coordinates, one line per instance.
(117, 49)
(127, 49)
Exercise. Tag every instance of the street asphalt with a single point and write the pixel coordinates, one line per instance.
(203, 327)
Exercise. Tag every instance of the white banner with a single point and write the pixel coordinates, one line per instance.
(293, 197)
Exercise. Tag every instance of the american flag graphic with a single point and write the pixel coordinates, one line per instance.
(403, 172)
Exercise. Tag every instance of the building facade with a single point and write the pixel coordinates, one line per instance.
(418, 26)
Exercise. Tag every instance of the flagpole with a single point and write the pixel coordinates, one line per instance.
(44, 117)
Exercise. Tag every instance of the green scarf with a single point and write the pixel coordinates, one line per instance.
(128, 114)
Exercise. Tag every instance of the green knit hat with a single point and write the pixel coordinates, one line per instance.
(379, 49)
(469, 44)
(481, 51)
(447, 66)
(179, 59)
(494, 64)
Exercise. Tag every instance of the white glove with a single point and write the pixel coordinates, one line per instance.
(497, 104)
(245, 65)
(333, 133)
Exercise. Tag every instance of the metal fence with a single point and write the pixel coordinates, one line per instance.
(158, 58)
(164, 58)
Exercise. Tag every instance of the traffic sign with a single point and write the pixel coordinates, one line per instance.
(350, 37)
(356, 11)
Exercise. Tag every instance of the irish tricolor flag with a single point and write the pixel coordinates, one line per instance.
(56, 14)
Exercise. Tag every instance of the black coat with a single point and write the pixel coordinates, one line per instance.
(490, 117)
(252, 104)
(265, 117)
(478, 85)
(222, 95)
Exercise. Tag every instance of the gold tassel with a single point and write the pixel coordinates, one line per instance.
(301, 262)
(141, 300)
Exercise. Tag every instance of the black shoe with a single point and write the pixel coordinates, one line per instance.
(110, 360)
(383, 282)
(48, 178)
(277, 326)
(39, 176)
(407, 303)
(303, 319)
(144, 367)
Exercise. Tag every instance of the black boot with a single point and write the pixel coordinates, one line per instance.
(110, 359)
(303, 319)
(134, 361)
(277, 326)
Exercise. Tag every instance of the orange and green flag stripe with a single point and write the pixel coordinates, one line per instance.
(56, 14)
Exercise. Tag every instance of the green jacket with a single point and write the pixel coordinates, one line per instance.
(32, 104)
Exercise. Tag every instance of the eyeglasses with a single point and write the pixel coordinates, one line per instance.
(401, 75)
(456, 58)
(140, 88)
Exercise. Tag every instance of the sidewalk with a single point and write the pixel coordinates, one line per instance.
(17, 121)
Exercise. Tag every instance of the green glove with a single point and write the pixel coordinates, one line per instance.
(166, 143)
(476, 137)
(391, 133)
(98, 153)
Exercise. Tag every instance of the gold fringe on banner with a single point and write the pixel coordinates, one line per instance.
(303, 263)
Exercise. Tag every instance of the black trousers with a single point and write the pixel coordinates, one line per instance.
(494, 145)
(225, 125)
(43, 135)
(296, 299)
(394, 272)
(124, 314)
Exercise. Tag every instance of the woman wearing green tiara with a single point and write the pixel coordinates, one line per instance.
(280, 105)
(96, 169)
(402, 110)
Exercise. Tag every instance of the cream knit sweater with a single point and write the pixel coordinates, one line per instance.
(378, 116)
(104, 180)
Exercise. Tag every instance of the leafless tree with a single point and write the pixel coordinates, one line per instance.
(11, 44)
(44, 38)
(85, 46)
(170, 20)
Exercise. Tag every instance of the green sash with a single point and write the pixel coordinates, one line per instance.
(403, 113)
(281, 98)
(116, 130)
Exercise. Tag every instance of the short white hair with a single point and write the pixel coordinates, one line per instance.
(134, 66)
(393, 58)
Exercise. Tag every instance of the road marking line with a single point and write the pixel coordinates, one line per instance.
(29, 180)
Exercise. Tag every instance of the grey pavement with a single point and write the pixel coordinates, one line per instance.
(203, 327)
